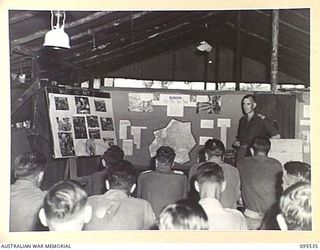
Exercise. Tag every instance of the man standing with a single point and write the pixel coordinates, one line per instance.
(252, 125)
(215, 150)
(162, 186)
(210, 184)
(259, 177)
(26, 197)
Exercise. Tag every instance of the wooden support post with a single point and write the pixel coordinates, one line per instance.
(237, 62)
(217, 57)
(274, 51)
(71, 168)
(206, 64)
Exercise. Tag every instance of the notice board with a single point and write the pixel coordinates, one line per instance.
(81, 121)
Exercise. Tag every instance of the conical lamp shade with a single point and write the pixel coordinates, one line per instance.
(57, 38)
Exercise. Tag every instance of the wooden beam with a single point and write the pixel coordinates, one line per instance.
(41, 33)
(21, 16)
(237, 55)
(25, 97)
(274, 51)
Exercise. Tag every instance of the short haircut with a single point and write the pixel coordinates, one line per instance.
(295, 206)
(122, 175)
(261, 145)
(165, 155)
(215, 146)
(64, 201)
(29, 164)
(113, 154)
(299, 169)
(183, 215)
(209, 172)
(249, 96)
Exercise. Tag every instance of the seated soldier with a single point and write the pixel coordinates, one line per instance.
(26, 197)
(96, 181)
(210, 184)
(162, 186)
(65, 207)
(116, 209)
(183, 215)
(215, 150)
(295, 207)
(293, 172)
(259, 176)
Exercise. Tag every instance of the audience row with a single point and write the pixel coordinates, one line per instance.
(215, 195)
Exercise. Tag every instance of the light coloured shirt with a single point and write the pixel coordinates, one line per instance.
(25, 202)
(115, 210)
(222, 219)
(231, 194)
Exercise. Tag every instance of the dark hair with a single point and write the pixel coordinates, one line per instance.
(165, 155)
(215, 146)
(183, 215)
(249, 96)
(113, 154)
(122, 175)
(261, 145)
(64, 201)
(209, 172)
(298, 169)
(29, 164)
(295, 206)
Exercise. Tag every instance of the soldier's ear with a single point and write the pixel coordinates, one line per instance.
(42, 217)
(282, 223)
(254, 105)
(107, 185)
(196, 186)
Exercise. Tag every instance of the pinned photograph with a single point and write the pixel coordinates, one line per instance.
(106, 124)
(90, 146)
(92, 121)
(156, 96)
(82, 105)
(80, 129)
(94, 134)
(108, 140)
(61, 103)
(64, 124)
(140, 102)
(66, 144)
(213, 106)
(100, 105)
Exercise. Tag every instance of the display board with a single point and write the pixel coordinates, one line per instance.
(82, 122)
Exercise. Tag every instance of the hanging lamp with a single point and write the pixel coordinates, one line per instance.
(57, 38)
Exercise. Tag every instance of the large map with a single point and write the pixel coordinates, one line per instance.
(177, 135)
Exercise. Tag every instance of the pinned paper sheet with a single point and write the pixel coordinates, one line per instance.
(207, 124)
(123, 124)
(175, 110)
(223, 124)
(96, 83)
(136, 133)
(202, 98)
(306, 141)
(306, 111)
(203, 139)
(305, 122)
(127, 146)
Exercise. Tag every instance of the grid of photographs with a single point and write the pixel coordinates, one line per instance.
(81, 125)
